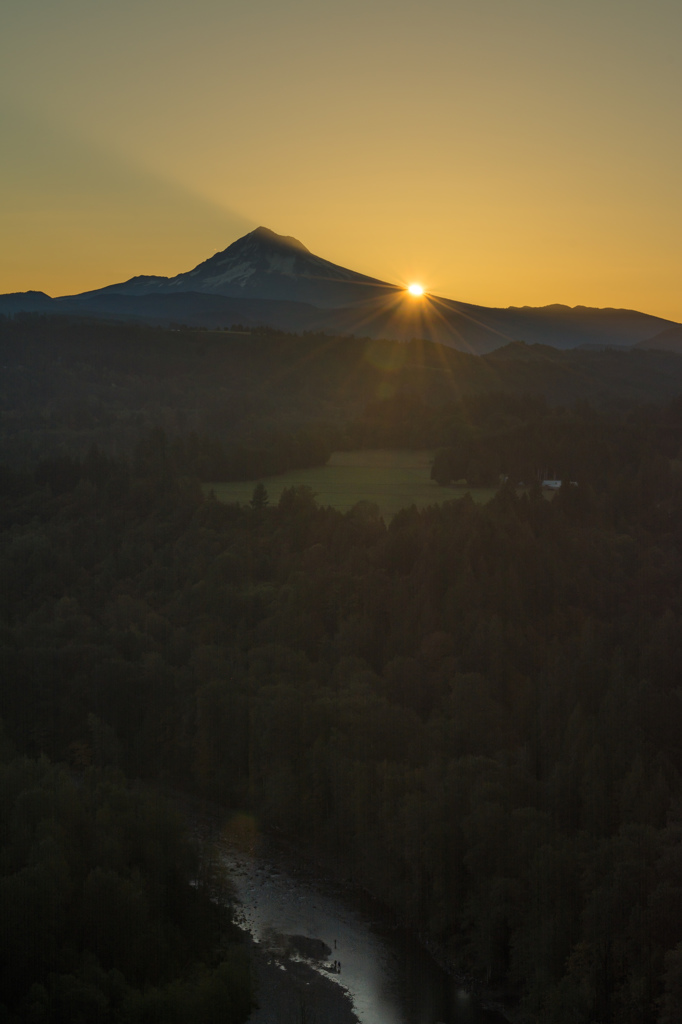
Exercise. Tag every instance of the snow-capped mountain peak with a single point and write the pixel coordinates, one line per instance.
(265, 265)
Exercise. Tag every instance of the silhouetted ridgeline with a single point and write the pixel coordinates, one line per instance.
(270, 279)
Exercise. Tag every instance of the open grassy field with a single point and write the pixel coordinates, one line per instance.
(391, 479)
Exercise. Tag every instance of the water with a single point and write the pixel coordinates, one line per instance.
(387, 974)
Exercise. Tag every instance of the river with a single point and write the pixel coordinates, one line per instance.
(301, 924)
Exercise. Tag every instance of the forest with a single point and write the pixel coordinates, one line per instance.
(240, 404)
(476, 709)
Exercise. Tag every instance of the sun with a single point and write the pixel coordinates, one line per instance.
(415, 289)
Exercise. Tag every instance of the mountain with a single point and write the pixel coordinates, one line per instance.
(270, 280)
(263, 265)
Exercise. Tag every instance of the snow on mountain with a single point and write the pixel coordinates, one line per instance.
(264, 265)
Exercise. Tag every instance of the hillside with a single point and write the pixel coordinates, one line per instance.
(67, 383)
(669, 340)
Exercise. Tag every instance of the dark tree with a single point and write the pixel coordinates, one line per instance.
(259, 498)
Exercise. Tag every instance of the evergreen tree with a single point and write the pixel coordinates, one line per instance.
(259, 498)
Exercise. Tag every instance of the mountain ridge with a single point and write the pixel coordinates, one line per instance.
(268, 280)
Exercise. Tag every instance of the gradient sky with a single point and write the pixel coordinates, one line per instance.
(505, 152)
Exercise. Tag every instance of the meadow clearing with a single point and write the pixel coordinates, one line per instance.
(391, 479)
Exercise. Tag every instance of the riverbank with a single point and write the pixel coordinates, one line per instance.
(282, 894)
(290, 992)
(330, 874)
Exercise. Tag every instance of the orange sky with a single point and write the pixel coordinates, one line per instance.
(505, 152)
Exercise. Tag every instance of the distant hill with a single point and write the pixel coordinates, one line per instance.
(271, 280)
(669, 340)
(27, 302)
(482, 329)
